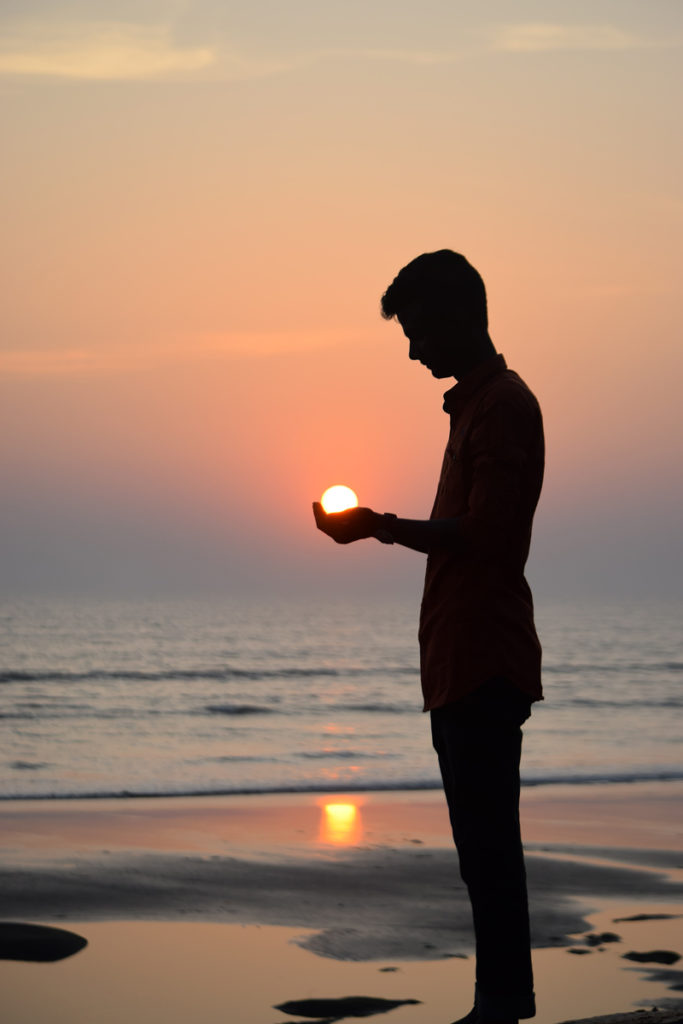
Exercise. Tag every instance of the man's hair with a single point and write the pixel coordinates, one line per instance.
(445, 283)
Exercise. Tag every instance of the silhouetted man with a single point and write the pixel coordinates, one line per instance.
(480, 657)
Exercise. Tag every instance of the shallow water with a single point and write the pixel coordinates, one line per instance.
(116, 698)
(215, 972)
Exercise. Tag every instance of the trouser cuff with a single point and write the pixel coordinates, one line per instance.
(499, 1005)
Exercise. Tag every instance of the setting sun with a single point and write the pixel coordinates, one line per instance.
(338, 498)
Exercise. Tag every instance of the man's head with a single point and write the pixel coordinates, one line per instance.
(440, 301)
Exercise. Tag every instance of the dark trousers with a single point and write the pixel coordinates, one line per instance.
(479, 744)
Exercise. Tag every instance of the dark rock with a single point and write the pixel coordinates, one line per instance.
(646, 917)
(579, 950)
(653, 1016)
(655, 956)
(601, 938)
(37, 943)
(337, 1009)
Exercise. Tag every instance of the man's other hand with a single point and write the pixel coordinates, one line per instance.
(347, 526)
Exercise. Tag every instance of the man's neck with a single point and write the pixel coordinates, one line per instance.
(479, 351)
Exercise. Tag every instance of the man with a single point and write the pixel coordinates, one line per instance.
(479, 654)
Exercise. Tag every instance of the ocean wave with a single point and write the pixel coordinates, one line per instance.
(60, 712)
(49, 712)
(214, 674)
(389, 709)
(622, 704)
(345, 755)
(237, 759)
(227, 673)
(367, 786)
(593, 778)
(571, 668)
(238, 709)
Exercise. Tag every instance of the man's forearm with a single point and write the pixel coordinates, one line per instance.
(418, 534)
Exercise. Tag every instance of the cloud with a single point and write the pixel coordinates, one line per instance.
(197, 348)
(98, 51)
(129, 51)
(539, 37)
(57, 362)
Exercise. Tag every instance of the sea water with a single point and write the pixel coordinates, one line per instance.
(106, 699)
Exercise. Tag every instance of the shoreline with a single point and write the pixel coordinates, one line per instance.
(585, 785)
(646, 815)
(301, 791)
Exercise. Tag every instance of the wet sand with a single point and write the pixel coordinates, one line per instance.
(236, 905)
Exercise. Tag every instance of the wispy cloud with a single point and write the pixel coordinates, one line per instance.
(98, 51)
(535, 37)
(117, 51)
(128, 51)
(49, 363)
(191, 349)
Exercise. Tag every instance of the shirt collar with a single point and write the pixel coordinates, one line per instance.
(456, 396)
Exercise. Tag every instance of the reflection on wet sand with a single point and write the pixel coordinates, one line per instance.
(340, 824)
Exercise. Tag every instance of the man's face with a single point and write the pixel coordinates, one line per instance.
(432, 343)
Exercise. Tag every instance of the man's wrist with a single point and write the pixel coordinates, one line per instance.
(383, 531)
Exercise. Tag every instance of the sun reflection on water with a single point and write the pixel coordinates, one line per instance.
(340, 824)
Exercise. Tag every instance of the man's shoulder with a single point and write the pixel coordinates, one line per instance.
(506, 415)
(508, 387)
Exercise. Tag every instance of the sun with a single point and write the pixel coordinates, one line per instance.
(338, 498)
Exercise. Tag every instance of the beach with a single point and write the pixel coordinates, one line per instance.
(225, 907)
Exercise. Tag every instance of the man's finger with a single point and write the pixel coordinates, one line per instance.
(320, 515)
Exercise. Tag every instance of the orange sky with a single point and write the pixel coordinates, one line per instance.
(203, 208)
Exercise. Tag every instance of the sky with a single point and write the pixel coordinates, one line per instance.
(203, 204)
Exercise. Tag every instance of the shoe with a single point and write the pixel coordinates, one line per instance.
(471, 1018)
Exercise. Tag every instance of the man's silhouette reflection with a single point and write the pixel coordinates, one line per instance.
(479, 653)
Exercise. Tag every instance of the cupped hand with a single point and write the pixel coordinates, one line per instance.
(347, 526)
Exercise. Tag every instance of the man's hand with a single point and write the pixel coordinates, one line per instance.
(347, 526)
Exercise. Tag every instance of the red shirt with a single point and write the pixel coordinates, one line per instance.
(477, 618)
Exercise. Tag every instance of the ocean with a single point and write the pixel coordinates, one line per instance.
(112, 699)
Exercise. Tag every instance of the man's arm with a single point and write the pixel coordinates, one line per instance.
(418, 534)
(358, 523)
